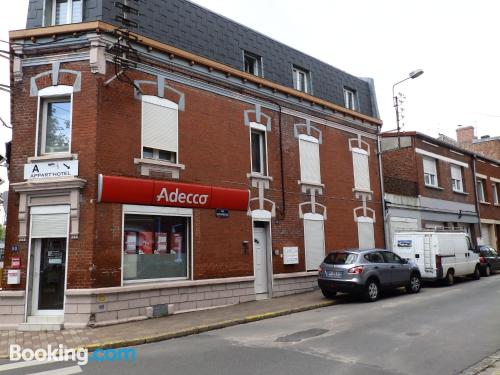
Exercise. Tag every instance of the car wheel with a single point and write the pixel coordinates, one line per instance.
(372, 291)
(477, 274)
(449, 280)
(414, 284)
(487, 271)
(328, 293)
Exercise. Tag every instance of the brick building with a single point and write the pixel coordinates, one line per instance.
(188, 164)
(485, 145)
(428, 184)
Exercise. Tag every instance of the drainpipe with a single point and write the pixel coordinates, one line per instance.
(382, 191)
(474, 158)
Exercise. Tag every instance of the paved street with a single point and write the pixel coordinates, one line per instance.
(439, 331)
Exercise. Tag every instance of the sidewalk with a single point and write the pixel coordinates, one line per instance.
(165, 328)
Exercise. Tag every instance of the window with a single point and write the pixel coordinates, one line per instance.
(366, 235)
(155, 247)
(159, 129)
(55, 125)
(258, 144)
(314, 240)
(456, 178)
(374, 257)
(391, 257)
(301, 79)
(338, 257)
(60, 12)
(430, 172)
(494, 192)
(252, 63)
(361, 169)
(309, 159)
(350, 99)
(480, 191)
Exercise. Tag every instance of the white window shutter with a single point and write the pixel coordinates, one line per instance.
(314, 241)
(309, 160)
(159, 124)
(430, 166)
(456, 172)
(366, 235)
(361, 169)
(49, 226)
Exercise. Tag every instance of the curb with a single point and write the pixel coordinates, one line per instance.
(482, 365)
(203, 328)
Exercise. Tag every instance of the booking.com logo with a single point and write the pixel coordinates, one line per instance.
(81, 356)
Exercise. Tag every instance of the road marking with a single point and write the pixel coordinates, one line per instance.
(60, 371)
(22, 364)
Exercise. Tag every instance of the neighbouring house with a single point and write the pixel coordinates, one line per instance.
(169, 159)
(428, 183)
(485, 145)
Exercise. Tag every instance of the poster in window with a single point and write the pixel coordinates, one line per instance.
(161, 243)
(146, 243)
(130, 242)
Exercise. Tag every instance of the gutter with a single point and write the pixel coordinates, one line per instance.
(476, 200)
(382, 190)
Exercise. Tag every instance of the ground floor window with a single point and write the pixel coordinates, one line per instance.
(155, 246)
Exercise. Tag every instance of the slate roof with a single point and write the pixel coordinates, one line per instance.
(195, 29)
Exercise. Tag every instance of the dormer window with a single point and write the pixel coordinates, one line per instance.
(61, 12)
(301, 80)
(350, 99)
(252, 63)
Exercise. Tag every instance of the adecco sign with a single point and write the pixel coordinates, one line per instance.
(113, 189)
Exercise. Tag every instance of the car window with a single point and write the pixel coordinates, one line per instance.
(374, 257)
(341, 258)
(391, 257)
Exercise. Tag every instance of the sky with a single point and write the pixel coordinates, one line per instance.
(455, 42)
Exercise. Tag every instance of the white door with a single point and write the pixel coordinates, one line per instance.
(260, 259)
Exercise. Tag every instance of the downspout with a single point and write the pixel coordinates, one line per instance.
(478, 209)
(382, 191)
(282, 169)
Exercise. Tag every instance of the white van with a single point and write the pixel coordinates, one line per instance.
(440, 255)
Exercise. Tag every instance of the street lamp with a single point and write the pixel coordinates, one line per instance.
(412, 75)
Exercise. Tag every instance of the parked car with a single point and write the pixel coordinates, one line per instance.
(366, 272)
(489, 261)
(440, 255)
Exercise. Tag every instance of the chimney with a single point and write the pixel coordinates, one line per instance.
(465, 135)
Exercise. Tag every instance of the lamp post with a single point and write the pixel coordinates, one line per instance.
(412, 75)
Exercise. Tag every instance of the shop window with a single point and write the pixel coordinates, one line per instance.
(54, 132)
(430, 172)
(155, 247)
(366, 235)
(252, 63)
(309, 159)
(361, 169)
(314, 240)
(61, 12)
(350, 99)
(301, 79)
(259, 151)
(159, 129)
(456, 178)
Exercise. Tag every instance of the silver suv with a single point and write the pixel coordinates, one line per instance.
(366, 272)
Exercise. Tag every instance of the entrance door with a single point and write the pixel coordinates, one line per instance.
(48, 276)
(260, 259)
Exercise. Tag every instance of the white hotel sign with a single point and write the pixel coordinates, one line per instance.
(51, 169)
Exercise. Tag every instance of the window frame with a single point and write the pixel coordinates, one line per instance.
(297, 71)
(430, 175)
(46, 95)
(494, 193)
(460, 188)
(159, 211)
(69, 13)
(354, 95)
(310, 139)
(481, 191)
(313, 218)
(162, 102)
(258, 66)
(262, 131)
(366, 157)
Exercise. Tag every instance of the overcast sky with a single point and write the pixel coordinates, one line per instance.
(454, 41)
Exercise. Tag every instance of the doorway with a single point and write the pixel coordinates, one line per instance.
(261, 257)
(49, 271)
